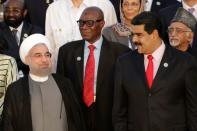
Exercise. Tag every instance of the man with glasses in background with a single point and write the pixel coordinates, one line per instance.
(181, 30)
(61, 26)
(89, 64)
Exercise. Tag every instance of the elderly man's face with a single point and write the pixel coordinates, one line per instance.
(39, 60)
(90, 25)
(179, 34)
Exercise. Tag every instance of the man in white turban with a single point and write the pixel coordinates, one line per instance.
(42, 101)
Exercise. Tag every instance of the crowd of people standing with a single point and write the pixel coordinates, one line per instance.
(98, 65)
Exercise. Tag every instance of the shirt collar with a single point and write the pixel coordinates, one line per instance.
(97, 44)
(38, 78)
(158, 53)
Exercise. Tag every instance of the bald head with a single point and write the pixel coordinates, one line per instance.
(97, 11)
(18, 3)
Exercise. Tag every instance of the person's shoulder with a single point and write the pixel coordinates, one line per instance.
(18, 84)
(6, 57)
(31, 28)
(108, 28)
(61, 78)
(129, 56)
(178, 55)
(170, 8)
(116, 45)
(72, 44)
(3, 25)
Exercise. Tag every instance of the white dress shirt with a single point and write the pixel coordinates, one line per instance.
(97, 51)
(187, 7)
(157, 56)
(61, 22)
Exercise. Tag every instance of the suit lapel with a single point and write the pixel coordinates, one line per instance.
(26, 118)
(105, 65)
(9, 37)
(163, 69)
(79, 61)
(25, 31)
(141, 69)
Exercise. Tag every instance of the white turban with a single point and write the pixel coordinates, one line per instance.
(30, 42)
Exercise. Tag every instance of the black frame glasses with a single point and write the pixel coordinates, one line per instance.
(88, 23)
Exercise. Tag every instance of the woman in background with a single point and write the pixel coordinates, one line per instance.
(8, 73)
(121, 32)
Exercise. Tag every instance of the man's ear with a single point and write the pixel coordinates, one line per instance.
(27, 60)
(102, 24)
(190, 37)
(24, 12)
(155, 34)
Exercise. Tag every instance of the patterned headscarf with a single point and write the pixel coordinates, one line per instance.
(121, 28)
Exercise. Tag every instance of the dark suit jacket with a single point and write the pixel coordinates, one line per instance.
(170, 105)
(194, 45)
(17, 106)
(12, 48)
(71, 66)
(37, 12)
(160, 4)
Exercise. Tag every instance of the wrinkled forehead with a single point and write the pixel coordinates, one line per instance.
(178, 25)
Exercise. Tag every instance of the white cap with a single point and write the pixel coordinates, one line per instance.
(30, 42)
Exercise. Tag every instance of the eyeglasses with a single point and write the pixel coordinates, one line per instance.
(133, 4)
(177, 30)
(40, 55)
(88, 23)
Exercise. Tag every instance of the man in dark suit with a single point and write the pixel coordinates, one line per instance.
(92, 70)
(155, 86)
(41, 100)
(14, 30)
(157, 5)
(37, 11)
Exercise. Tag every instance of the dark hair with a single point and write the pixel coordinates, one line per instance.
(150, 21)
